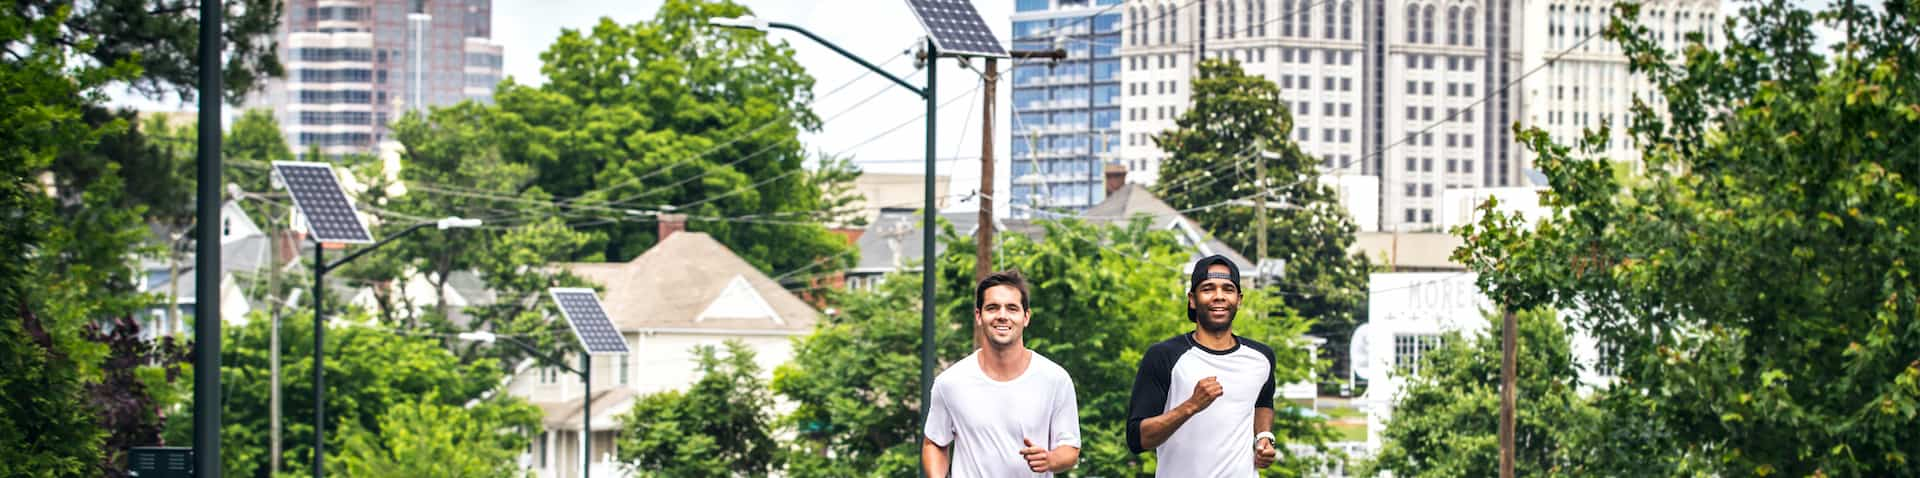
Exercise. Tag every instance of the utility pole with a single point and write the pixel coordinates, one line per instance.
(983, 233)
(1509, 345)
(1260, 212)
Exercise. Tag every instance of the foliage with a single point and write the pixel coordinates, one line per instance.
(1779, 194)
(664, 112)
(1446, 419)
(130, 414)
(1235, 120)
(161, 38)
(719, 427)
(370, 370)
(432, 439)
(1101, 295)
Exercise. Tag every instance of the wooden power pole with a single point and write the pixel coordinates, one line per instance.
(1509, 348)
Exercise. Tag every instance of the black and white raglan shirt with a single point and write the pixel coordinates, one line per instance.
(1218, 441)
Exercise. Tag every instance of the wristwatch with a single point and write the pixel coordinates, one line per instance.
(1266, 435)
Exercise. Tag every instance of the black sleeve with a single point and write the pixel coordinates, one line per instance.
(1265, 400)
(1150, 389)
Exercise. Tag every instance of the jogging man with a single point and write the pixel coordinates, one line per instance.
(1203, 400)
(1004, 410)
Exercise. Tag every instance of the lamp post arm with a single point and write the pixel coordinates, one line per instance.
(850, 56)
(547, 360)
(364, 250)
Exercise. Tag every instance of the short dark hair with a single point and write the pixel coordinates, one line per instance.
(1010, 278)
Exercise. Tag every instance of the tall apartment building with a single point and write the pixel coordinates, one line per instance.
(1408, 91)
(1590, 86)
(1065, 114)
(354, 66)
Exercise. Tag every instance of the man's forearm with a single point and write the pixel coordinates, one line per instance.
(933, 459)
(1262, 420)
(1063, 458)
(1155, 431)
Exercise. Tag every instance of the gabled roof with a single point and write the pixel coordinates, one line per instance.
(1133, 200)
(670, 285)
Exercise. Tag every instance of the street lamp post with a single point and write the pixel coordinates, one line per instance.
(586, 379)
(926, 246)
(320, 268)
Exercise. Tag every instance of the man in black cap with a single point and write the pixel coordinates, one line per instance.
(1203, 400)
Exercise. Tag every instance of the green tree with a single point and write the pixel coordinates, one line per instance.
(1446, 419)
(1754, 288)
(1101, 295)
(371, 371)
(665, 112)
(721, 426)
(431, 439)
(1237, 120)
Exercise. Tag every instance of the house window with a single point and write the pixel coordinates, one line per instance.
(540, 448)
(1408, 348)
(626, 370)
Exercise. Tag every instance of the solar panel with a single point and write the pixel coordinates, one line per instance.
(956, 28)
(316, 192)
(589, 321)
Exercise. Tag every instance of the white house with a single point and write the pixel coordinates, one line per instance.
(687, 291)
(1407, 315)
(244, 249)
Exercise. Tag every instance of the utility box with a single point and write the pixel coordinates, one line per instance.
(160, 462)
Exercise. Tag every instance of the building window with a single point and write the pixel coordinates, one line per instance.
(1426, 165)
(1426, 190)
(1453, 165)
(1413, 26)
(1287, 18)
(626, 364)
(1426, 26)
(1346, 20)
(1412, 189)
(1412, 166)
(1453, 25)
(1330, 20)
(1413, 87)
(1410, 216)
(1306, 18)
(1426, 216)
(1467, 37)
(1413, 112)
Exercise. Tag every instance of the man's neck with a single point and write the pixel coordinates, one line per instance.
(1220, 340)
(1005, 363)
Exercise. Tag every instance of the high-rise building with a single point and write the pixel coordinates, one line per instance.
(1065, 114)
(354, 66)
(1590, 86)
(1419, 94)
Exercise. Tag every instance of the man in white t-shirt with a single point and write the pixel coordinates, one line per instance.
(1203, 400)
(1004, 410)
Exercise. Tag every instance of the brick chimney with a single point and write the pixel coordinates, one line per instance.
(1116, 177)
(672, 223)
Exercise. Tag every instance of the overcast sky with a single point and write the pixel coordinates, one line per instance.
(878, 30)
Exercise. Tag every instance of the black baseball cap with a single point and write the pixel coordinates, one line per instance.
(1200, 275)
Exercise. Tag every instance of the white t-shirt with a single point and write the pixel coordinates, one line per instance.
(1218, 441)
(984, 421)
